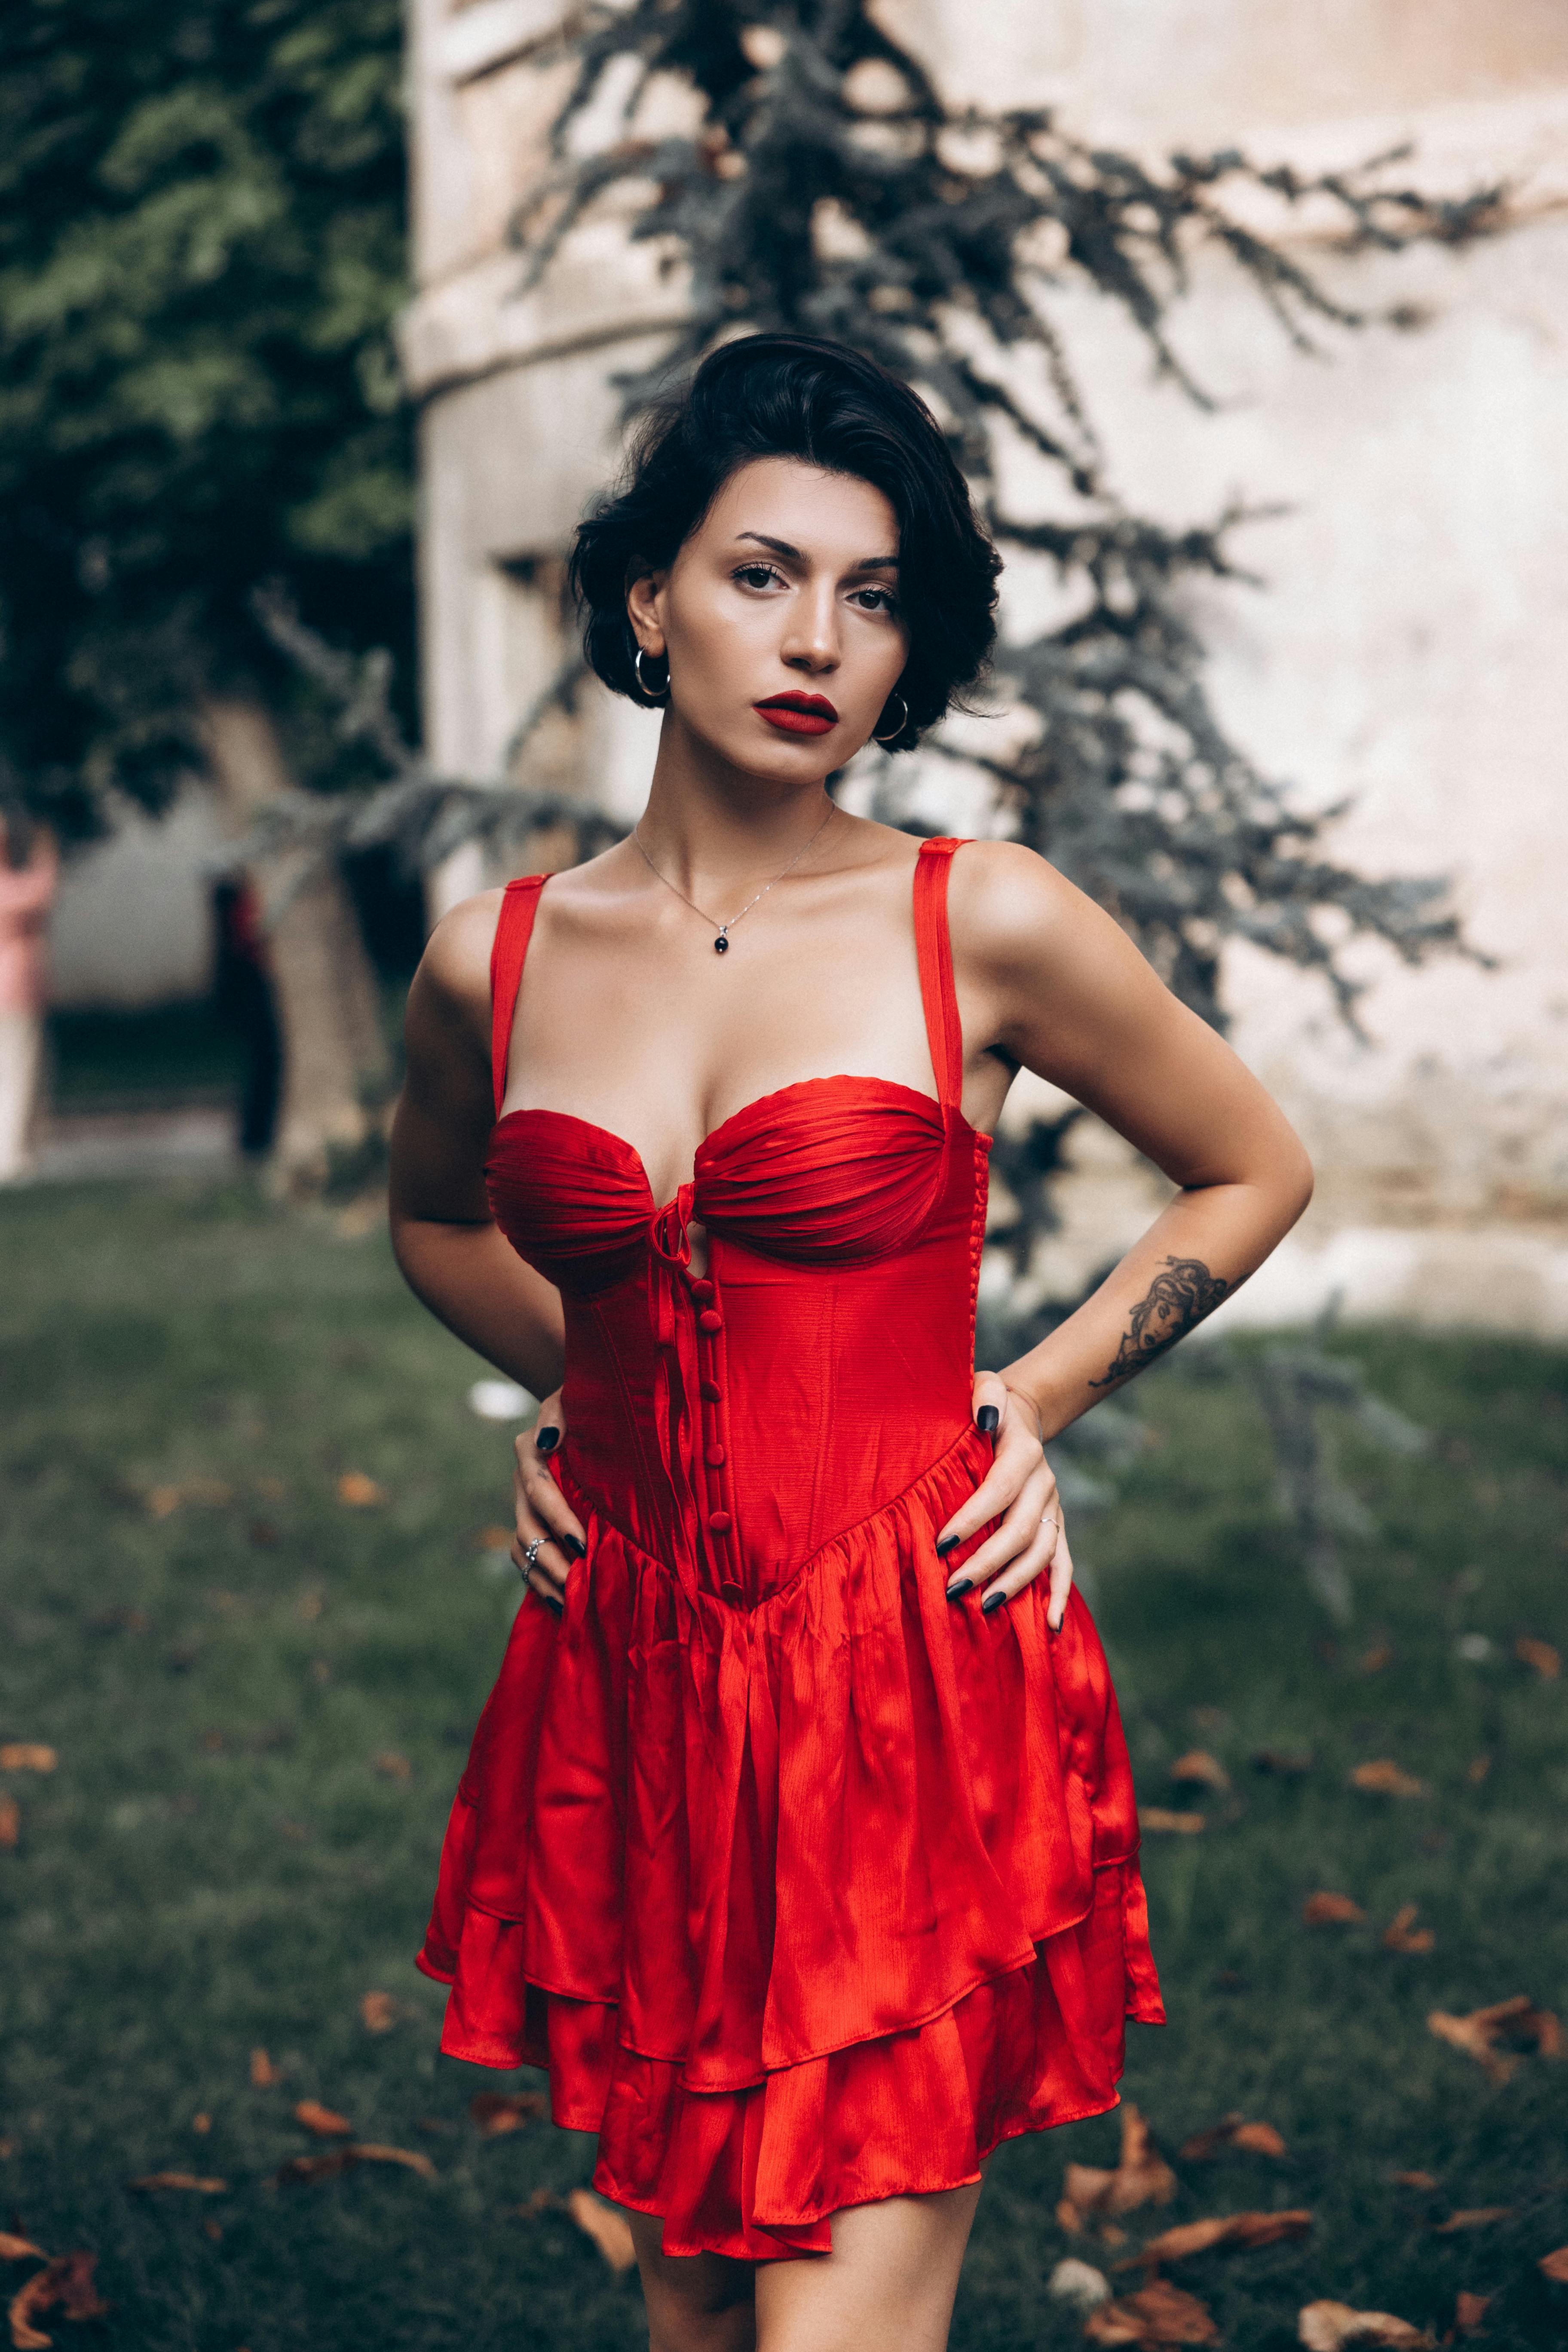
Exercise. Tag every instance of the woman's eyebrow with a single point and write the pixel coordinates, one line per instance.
(782, 547)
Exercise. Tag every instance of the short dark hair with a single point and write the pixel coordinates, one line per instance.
(794, 396)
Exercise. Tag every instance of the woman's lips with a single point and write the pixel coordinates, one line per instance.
(798, 715)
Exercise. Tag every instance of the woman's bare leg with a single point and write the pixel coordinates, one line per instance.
(695, 2302)
(888, 2285)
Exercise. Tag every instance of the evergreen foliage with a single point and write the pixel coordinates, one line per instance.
(202, 250)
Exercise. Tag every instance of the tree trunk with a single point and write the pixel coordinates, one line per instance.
(334, 1052)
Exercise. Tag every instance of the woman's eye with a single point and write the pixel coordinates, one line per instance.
(756, 575)
(875, 600)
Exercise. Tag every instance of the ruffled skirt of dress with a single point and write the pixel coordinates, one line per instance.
(804, 1906)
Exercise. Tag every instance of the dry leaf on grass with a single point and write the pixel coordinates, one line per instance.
(18, 2249)
(1328, 2327)
(1325, 1910)
(609, 2229)
(1284, 1763)
(314, 2167)
(1555, 2265)
(1384, 1778)
(1476, 1770)
(1479, 2033)
(66, 2282)
(1374, 1661)
(10, 1824)
(1240, 2229)
(1471, 2313)
(1540, 1655)
(378, 2011)
(199, 2184)
(1426, 2180)
(323, 2121)
(391, 1766)
(1231, 2132)
(413, 2159)
(26, 1756)
(1473, 2217)
(1401, 1934)
(263, 2073)
(1158, 2313)
(1141, 2177)
(202, 2124)
(1198, 1769)
(496, 2112)
(360, 1493)
(1160, 1822)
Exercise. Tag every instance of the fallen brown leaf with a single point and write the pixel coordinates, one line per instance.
(10, 1824)
(1242, 2229)
(541, 2200)
(199, 2184)
(66, 2282)
(1328, 2327)
(1471, 2313)
(391, 1766)
(496, 2112)
(609, 2229)
(1473, 2217)
(1479, 2033)
(1160, 1821)
(213, 2229)
(1231, 2131)
(1384, 1778)
(1158, 2313)
(1141, 2177)
(1325, 1910)
(1476, 1770)
(360, 1493)
(373, 2152)
(1428, 2180)
(1198, 1769)
(26, 1756)
(323, 2121)
(263, 2073)
(1374, 1661)
(18, 2250)
(1286, 1763)
(378, 2011)
(202, 2124)
(1539, 1654)
(1401, 1934)
(1555, 2265)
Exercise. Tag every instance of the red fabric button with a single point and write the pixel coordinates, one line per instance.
(720, 1522)
(711, 1391)
(710, 1319)
(713, 1456)
(702, 1289)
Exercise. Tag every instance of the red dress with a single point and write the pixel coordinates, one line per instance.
(808, 1885)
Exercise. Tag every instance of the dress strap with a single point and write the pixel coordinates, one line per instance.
(514, 928)
(934, 950)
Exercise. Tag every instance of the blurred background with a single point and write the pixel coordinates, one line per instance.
(322, 324)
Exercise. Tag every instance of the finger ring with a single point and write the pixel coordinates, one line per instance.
(531, 1551)
(1050, 1521)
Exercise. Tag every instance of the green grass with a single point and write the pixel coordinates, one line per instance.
(217, 1863)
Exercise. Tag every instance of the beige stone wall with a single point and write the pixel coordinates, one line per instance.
(1406, 653)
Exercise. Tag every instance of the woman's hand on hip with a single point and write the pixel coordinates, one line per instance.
(549, 1533)
(1020, 1489)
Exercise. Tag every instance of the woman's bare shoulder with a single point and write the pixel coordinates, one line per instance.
(456, 966)
(1007, 905)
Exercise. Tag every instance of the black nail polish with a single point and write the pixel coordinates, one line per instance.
(947, 1544)
(987, 1419)
(992, 1600)
(956, 1592)
(552, 1601)
(547, 1440)
(575, 1546)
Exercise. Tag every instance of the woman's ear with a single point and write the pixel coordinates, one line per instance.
(644, 590)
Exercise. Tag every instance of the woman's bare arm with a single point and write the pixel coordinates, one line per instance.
(451, 1252)
(1054, 984)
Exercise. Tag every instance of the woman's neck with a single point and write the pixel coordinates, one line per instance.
(707, 820)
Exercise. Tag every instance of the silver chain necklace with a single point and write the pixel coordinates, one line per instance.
(721, 940)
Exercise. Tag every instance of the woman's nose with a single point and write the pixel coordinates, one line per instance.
(811, 636)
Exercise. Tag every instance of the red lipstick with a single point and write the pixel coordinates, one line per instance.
(798, 714)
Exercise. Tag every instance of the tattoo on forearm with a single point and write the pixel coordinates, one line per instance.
(1176, 1299)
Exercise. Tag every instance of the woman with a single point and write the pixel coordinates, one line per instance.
(798, 1838)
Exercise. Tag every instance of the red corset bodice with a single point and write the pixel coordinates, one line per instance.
(826, 1357)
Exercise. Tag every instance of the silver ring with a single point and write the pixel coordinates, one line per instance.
(531, 1551)
(1050, 1521)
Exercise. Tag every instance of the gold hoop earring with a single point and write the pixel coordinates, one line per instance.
(660, 692)
(894, 732)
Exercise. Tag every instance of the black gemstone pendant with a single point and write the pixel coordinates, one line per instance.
(721, 945)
